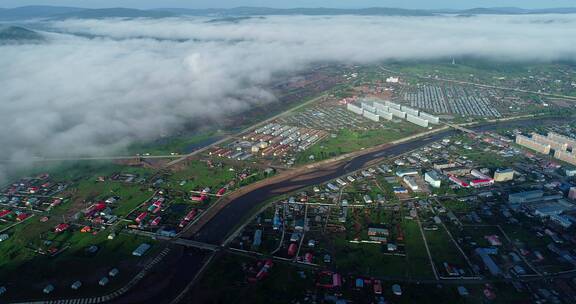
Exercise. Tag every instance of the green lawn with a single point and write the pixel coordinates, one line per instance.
(417, 257)
(225, 282)
(443, 249)
(368, 259)
(198, 175)
(458, 206)
(131, 195)
(347, 141)
(26, 272)
(177, 144)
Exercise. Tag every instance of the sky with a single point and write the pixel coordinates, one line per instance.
(426, 4)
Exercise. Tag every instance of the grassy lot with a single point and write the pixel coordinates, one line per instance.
(443, 249)
(26, 273)
(347, 141)
(517, 232)
(489, 159)
(177, 144)
(457, 206)
(388, 189)
(367, 259)
(131, 195)
(417, 258)
(198, 175)
(225, 282)
(78, 171)
(28, 234)
(477, 234)
(371, 259)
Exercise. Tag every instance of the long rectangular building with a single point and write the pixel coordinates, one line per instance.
(416, 120)
(569, 141)
(355, 109)
(554, 144)
(369, 108)
(393, 105)
(384, 114)
(531, 144)
(411, 183)
(430, 118)
(381, 107)
(371, 116)
(398, 113)
(569, 157)
(410, 110)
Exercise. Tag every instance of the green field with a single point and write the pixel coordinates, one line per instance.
(417, 258)
(176, 144)
(347, 141)
(198, 174)
(443, 249)
(458, 206)
(368, 259)
(225, 282)
(374, 259)
(19, 262)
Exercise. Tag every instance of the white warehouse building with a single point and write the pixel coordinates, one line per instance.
(355, 109)
(371, 116)
(381, 107)
(384, 114)
(430, 118)
(416, 120)
(393, 105)
(410, 110)
(433, 178)
(369, 108)
(397, 113)
(411, 183)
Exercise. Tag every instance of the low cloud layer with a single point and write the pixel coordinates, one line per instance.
(98, 85)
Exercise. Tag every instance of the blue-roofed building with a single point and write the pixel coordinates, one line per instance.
(404, 172)
(276, 223)
(545, 209)
(563, 220)
(257, 238)
(565, 187)
(484, 254)
(522, 197)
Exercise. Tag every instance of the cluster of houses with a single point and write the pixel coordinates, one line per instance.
(37, 194)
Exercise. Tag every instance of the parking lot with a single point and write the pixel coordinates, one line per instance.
(453, 100)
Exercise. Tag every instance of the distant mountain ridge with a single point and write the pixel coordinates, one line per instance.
(266, 11)
(61, 12)
(17, 34)
(114, 12)
(36, 11)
